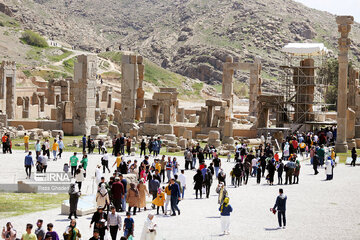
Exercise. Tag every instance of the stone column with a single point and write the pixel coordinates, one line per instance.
(84, 93)
(228, 84)
(344, 27)
(140, 91)
(255, 86)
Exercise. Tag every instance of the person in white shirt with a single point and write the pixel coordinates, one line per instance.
(254, 166)
(105, 162)
(113, 223)
(79, 176)
(61, 147)
(47, 147)
(44, 160)
(182, 180)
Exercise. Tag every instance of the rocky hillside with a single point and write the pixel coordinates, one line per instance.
(190, 37)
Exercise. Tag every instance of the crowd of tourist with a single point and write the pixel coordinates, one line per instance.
(164, 179)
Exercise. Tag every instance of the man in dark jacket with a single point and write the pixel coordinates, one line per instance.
(154, 185)
(117, 190)
(280, 204)
(175, 196)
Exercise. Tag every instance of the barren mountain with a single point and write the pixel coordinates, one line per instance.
(190, 37)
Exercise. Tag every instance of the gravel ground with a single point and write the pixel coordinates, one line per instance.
(316, 209)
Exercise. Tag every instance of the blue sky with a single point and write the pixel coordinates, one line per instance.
(338, 7)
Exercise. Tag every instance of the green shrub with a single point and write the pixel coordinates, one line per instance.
(34, 39)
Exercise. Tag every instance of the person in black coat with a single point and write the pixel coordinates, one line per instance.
(280, 205)
(237, 173)
(142, 148)
(74, 198)
(263, 164)
(208, 181)
(280, 172)
(271, 169)
(198, 180)
(353, 156)
(99, 219)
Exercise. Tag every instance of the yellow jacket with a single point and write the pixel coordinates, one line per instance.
(159, 200)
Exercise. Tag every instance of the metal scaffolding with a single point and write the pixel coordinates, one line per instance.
(303, 89)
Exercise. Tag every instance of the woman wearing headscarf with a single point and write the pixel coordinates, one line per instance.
(329, 164)
(198, 183)
(132, 198)
(221, 190)
(73, 200)
(71, 232)
(102, 197)
(143, 192)
(225, 210)
(8, 233)
(149, 231)
(271, 169)
(297, 172)
(159, 201)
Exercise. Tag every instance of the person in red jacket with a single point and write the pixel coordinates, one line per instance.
(117, 190)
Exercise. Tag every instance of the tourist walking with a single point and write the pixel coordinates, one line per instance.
(182, 179)
(113, 222)
(129, 225)
(207, 182)
(280, 206)
(142, 148)
(55, 148)
(198, 183)
(84, 143)
(28, 164)
(280, 169)
(315, 164)
(159, 201)
(105, 162)
(225, 210)
(132, 198)
(353, 156)
(73, 163)
(175, 196)
(102, 197)
(271, 169)
(61, 147)
(143, 192)
(99, 218)
(329, 165)
(118, 197)
(79, 176)
(51, 232)
(26, 142)
(217, 165)
(72, 232)
(149, 229)
(73, 200)
(297, 172)
(84, 163)
(8, 232)
(28, 235)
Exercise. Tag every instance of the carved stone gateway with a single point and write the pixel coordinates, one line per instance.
(344, 27)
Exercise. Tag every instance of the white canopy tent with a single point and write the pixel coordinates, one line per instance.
(299, 49)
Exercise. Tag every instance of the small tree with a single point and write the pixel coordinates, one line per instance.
(33, 39)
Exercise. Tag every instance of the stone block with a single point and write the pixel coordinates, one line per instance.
(151, 129)
(228, 129)
(20, 128)
(34, 136)
(214, 135)
(215, 142)
(170, 137)
(187, 134)
(171, 149)
(181, 131)
(201, 136)
(95, 130)
(134, 133)
(172, 144)
(54, 133)
(228, 140)
(192, 118)
(183, 143)
(20, 134)
(75, 143)
(113, 130)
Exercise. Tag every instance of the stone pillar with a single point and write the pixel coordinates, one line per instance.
(210, 115)
(140, 91)
(84, 93)
(350, 128)
(255, 86)
(8, 88)
(344, 27)
(228, 83)
(129, 85)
